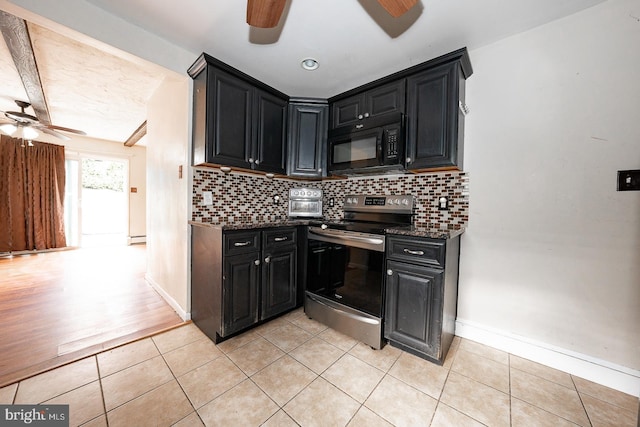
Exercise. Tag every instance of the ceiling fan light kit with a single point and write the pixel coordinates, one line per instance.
(30, 125)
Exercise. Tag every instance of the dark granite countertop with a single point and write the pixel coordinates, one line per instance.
(430, 231)
(258, 224)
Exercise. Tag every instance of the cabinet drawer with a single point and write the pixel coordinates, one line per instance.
(240, 242)
(278, 237)
(416, 250)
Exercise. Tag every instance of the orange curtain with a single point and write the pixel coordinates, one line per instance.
(32, 180)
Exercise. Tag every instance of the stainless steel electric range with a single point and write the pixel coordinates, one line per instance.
(345, 265)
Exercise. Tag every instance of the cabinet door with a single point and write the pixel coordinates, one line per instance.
(385, 99)
(413, 313)
(279, 271)
(229, 115)
(307, 140)
(432, 124)
(270, 133)
(241, 279)
(347, 111)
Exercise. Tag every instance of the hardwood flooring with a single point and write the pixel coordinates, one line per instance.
(57, 307)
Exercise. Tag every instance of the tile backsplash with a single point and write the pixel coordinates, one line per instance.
(243, 198)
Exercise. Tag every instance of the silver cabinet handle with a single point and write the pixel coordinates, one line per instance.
(359, 126)
(240, 244)
(250, 160)
(360, 116)
(408, 159)
(267, 260)
(410, 252)
(280, 239)
(366, 114)
(389, 272)
(256, 262)
(257, 162)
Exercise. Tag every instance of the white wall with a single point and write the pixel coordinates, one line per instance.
(552, 252)
(168, 202)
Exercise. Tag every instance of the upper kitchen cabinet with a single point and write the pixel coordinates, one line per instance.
(237, 120)
(308, 120)
(351, 107)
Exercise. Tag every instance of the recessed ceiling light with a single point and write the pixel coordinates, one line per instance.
(309, 64)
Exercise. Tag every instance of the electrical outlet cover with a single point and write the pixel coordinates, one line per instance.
(629, 180)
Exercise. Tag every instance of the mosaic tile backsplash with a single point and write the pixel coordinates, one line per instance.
(249, 199)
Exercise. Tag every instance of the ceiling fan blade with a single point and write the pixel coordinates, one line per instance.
(62, 128)
(264, 13)
(397, 8)
(53, 133)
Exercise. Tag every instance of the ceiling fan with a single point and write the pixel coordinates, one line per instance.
(266, 13)
(29, 125)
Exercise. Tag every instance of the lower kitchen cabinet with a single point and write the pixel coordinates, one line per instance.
(421, 295)
(239, 278)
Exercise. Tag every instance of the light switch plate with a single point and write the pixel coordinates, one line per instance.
(207, 198)
(629, 180)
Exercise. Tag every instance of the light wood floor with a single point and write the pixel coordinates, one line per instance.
(57, 307)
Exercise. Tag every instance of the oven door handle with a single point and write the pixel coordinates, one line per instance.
(345, 313)
(342, 238)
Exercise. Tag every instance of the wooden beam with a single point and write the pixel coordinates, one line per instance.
(136, 135)
(16, 35)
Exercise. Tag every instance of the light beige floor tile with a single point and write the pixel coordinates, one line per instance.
(8, 393)
(321, 404)
(271, 325)
(446, 416)
(244, 404)
(162, 406)
(177, 337)
(526, 415)
(615, 397)
(337, 339)
(134, 381)
(382, 359)
(309, 325)
(294, 314)
(427, 377)
(478, 401)
(549, 396)
(256, 355)
(481, 369)
(125, 356)
(283, 379)
(365, 417)
(288, 337)
(317, 355)
(57, 381)
(191, 356)
(191, 420)
(603, 414)
(451, 355)
(238, 341)
(85, 403)
(401, 404)
(485, 350)
(354, 377)
(100, 421)
(280, 419)
(541, 371)
(210, 380)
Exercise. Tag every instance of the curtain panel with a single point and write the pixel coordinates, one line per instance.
(32, 180)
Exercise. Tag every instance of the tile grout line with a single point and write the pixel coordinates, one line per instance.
(581, 401)
(104, 404)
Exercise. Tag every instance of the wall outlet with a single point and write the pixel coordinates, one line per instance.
(629, 180)
(332, 202)
(207, 198)
(443, 203)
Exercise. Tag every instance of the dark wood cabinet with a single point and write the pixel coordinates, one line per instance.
(241, 277)
(388, 98)
(435, 122)
(421, 295)
(237, 120)
(307, 145)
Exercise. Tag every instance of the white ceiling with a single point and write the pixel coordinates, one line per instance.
(355, 41)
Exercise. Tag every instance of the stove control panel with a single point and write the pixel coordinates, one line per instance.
(395, 203)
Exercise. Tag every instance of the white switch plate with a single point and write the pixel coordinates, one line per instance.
(207, 197)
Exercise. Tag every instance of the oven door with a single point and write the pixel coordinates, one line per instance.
(305, 208)
(346, 270)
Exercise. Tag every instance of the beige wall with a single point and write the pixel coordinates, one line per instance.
(168, 201)
(552, 252)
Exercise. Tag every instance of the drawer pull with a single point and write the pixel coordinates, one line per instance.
(280, 239)
(239, 244)
(410, 252)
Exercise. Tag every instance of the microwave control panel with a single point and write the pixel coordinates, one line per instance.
(391, 138)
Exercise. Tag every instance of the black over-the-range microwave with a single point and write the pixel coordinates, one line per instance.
(373, 145)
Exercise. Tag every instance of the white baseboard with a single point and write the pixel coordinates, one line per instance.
(132, 240)
(599, 371)
(168, 298)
